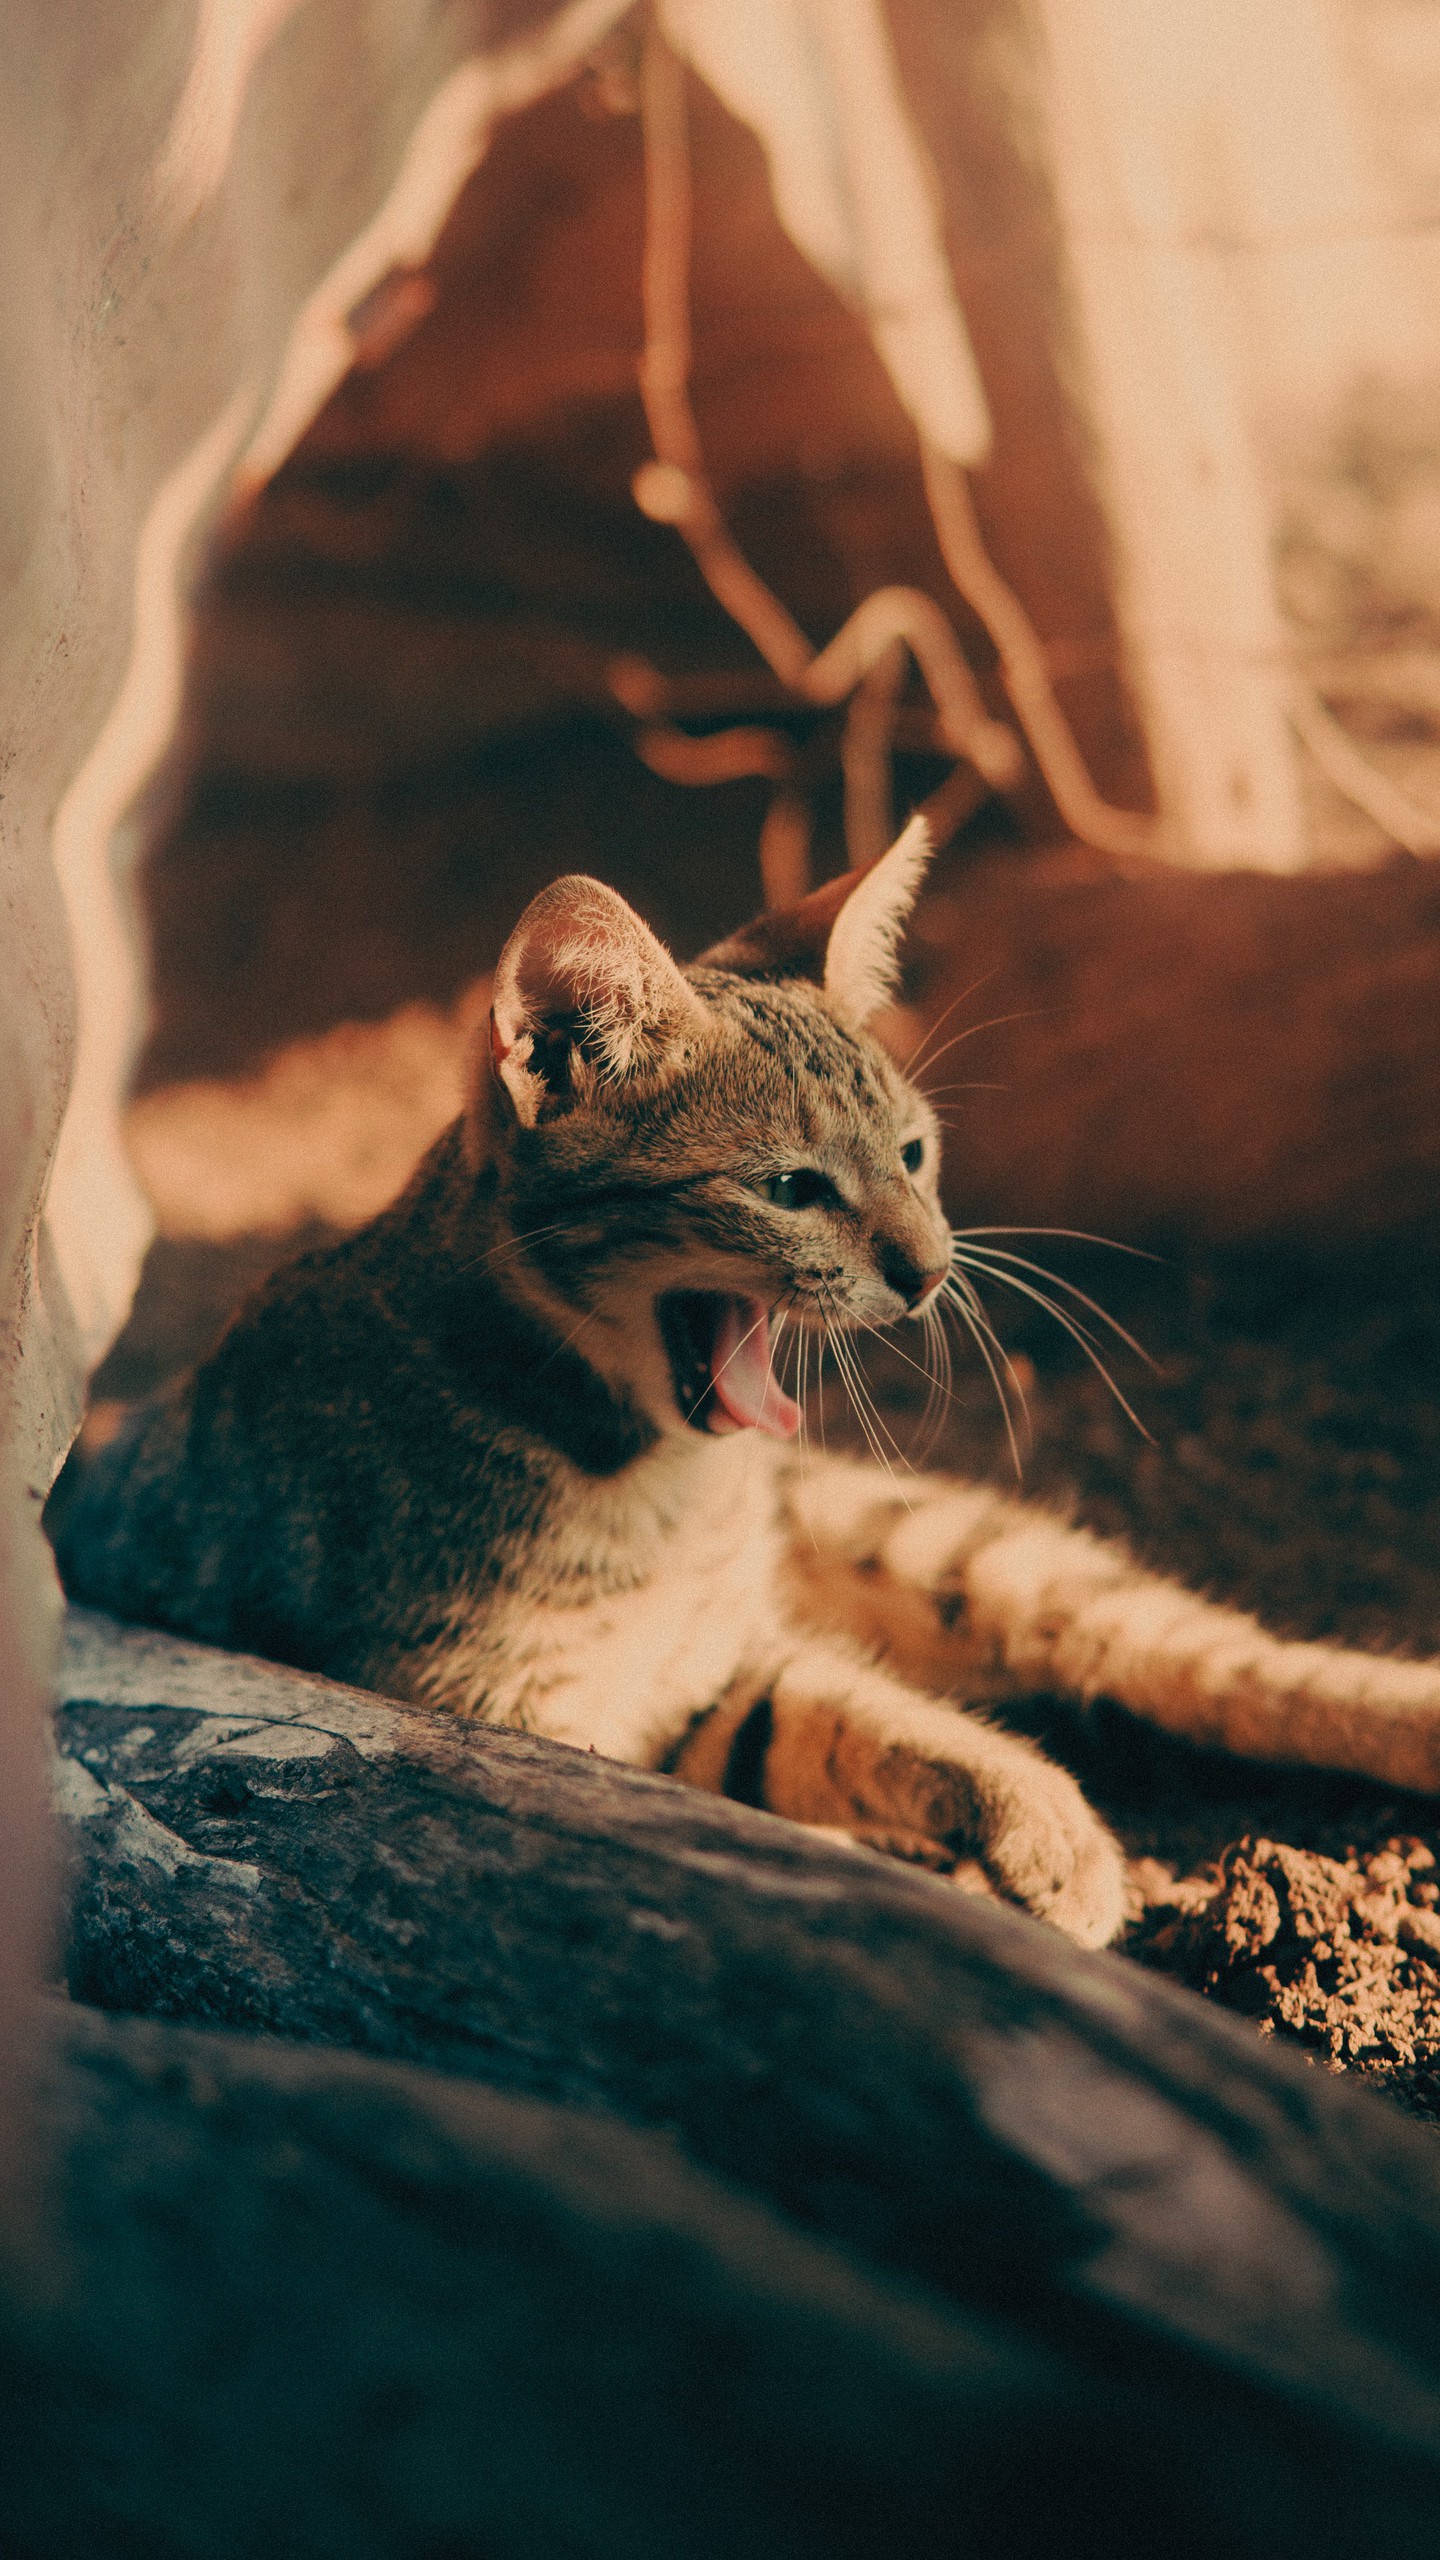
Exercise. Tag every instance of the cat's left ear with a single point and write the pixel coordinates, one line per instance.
(582, 984)
(844, 936)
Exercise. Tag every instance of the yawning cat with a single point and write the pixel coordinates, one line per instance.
(518, 1448)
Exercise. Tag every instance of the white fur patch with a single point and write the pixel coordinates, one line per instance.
(625, 1670)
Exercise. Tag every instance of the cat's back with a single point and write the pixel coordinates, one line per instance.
(334, 1467)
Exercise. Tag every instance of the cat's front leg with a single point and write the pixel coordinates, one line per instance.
(965, 1589)
(829, 1738)
(885, 1561)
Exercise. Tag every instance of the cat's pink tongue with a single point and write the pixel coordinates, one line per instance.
(747, 1390)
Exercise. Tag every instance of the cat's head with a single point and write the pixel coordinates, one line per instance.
(690, 1162)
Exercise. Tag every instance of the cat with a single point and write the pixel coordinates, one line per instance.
(518, 1449)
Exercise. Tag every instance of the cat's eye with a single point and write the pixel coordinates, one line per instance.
(913, 1156)
(803, 1189)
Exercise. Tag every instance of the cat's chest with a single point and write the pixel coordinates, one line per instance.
(645, 1600)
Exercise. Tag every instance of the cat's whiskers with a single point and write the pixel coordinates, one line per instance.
(939, 1395)
(938, 1390)
(992, 1253)
(945, 1367)
(782, 1314)
(564, 1343)
(987, 1257)
(862, 1403)
(807, 1338)
(881, 1424)
(834, 1344)
(1078, 1332)
(847, 1380)
(969, 1255)
(911, 1065)
(970, 1085)
(509, 1244)
(919, 1367)
(958, 1292)
(957, 1040)
(802, 1366)
(800, 1343)
(989, 1260)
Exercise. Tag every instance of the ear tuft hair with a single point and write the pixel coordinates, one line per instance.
(862, 956)
(583, 987)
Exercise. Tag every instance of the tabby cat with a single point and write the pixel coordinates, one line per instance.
(518, 1448)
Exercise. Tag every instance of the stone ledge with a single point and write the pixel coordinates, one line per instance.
(1237, 2252)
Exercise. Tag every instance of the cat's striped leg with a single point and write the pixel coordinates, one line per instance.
(967, 1590)
(828, 1738)
(883, 1559)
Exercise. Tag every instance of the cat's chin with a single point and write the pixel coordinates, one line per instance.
(718, 1347)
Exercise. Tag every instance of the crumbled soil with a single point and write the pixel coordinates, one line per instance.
(1303, 1899)
(1342, 1953)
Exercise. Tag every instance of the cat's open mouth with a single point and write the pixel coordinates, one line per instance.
(719, 1349)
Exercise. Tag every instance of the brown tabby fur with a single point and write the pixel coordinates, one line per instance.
(447, 1458)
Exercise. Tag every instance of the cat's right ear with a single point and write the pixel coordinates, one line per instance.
(845, 937)
(584, 995)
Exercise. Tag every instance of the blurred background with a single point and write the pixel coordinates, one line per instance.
(817, 410)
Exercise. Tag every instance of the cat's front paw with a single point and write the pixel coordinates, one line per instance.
(1043, 1847)
(1036, 1843)
(850, 1746)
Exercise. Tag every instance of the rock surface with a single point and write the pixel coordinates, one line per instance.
(324, 2306)
(1239, 2257)
(298, 2303)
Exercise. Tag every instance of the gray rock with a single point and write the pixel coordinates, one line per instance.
(1207, 2271)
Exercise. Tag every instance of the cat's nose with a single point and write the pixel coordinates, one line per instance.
(905, 1276)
